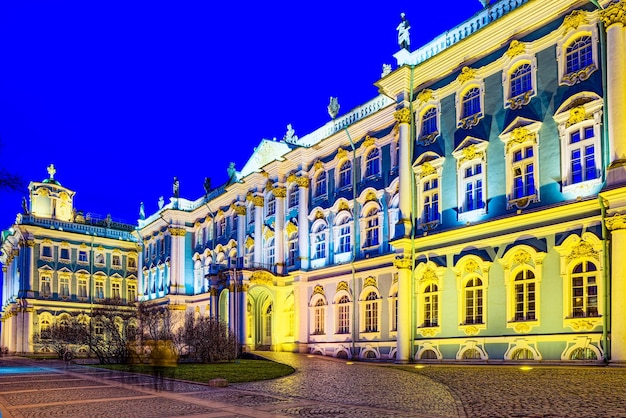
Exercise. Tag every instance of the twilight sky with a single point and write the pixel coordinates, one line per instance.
(123, 96)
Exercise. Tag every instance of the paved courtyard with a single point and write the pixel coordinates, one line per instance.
(320, 387)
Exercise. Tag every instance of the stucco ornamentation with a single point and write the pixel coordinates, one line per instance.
(425, 96)
(403, 115)
(515, 48)
(574, 20)
(467, 74)
(615, 222)
(177, 232)
(615, 13)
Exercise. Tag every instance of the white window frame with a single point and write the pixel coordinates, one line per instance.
(428, 275)
(520, 139)
(587, 28)
(370, 312)
(321, 186)
(343, 236)
(343, 312)
(369, 161)
(344, 174)
(467, 268)
(372, 214)
(428, 169)
(517, 56)
(470, 121)
(319, 239)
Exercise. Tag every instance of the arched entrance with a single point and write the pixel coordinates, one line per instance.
(261, 318)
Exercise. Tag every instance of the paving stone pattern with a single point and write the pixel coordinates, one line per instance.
(320, 387)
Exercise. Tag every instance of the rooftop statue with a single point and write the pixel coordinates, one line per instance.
(142, 212)
(333, 107)
(176, 187)
(290, 136)
(207, 185)
(231, 170)
(161, 202)
(404, 40)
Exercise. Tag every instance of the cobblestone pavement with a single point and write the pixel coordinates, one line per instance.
(320, 387)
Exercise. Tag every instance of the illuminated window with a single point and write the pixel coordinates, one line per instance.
(522, 165)
(429, 169)
(343, 315)
(344, 231)
(99, 289)
(430, 200)
(319, 241)
(44, 327)
(472, 186)
(115, 290)
(471, 103)
(578, 54)
(270, 252)
(64, 287)
(371, 313)
(83, 257)
(524, 288)
(345, 174)
(430, 299)
(45, 289)
(82, 288)
(521, 81)
(584, 291)
(116, 261)
(473, 301)
(429, 127)
(372, 163)
(292, 255)
(524, 172)
(372, 230)
(270, 208)
(132, 293)
(319, 313)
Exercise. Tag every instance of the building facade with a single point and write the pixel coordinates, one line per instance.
(472, 211)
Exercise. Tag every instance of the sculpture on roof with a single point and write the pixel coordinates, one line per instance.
(333, 107)
(207, 185)
(161, 202)
(404, 40)
(290, 136)
(142, 212)
(51, 171)
(231, 171)
(176, 187)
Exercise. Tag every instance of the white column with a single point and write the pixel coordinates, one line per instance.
(301, 319)
(403, 354)
(243, 317)
(618, 291)
(303, 222)
(280, 193)
(177, 261)
(258, 229)
(614, 20)
(241, 231)
(403, 116)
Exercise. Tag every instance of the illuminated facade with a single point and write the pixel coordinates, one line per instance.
(473, 211)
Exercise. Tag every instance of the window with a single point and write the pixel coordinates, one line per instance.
(372, 163)
(132, 263)
(319, 240)
(115, 290)
(82, 288)
(251, 214)
(344, 231)
(473, 297)
(270, 208)
(319, 315)
(98, 328)
(371, 228)
(581, 353)
(64, 254)
(345, 174)
(99, 259)
(294, 196)
(472, 186)
(429, 129)
(521, 81)
(523, 172)
(292, 256)
(64, 287)
(583, 150)
(270, 252)
(45, 286)
(343, 315)
(578, 54)
(525, 296)
(320, 184)
(430, 199)
(46, 251)
(584, 290)
(235, 224)
(221, 227)
(82, 257)
(394, 311)
(99, 289)
(371, 312)
(116, 261)
(132, 293)
(431, 306)
(471, 103)
(44, 327)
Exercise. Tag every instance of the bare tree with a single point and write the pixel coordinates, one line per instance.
(63, 336)
(206, 339)
(112, 335)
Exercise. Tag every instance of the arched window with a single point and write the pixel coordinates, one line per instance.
(270, 205)
(473, 298)
(429, 355)
(471, 103)
(429, 123)
(294, 196)
(525, 296)
(521, 80)
(292, 255)
(471, 354)
(578, 54)
(371, 312)
(343, 315)
(45, 289)
(372, 230)
(584, 281)
(431, 305)
(522, 354)
(345, 174)
(320, 184)
(583, 354)
(319, 315)
(319, 242)
(372, 163)
(344, 231)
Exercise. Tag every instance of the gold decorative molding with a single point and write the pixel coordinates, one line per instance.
(403, 115)
(427, 170)
(269, 185)
(249, 241)
(30, 243)
(268, 233)
(520, 136)
(291, 177)
(318, 290)
(239, 210)
(515, 48)
(255, 199)
(370, 281)
(577, 115)
(470, 266)
(368, 142)
(319, 215)
(429, 332)
(318, 165)
(466, 75)
(291, 228)
(403, 263)
(471, 153)
(429, 276)
(522, 328)
(574, 20)
(262, 277)
(615, 222)
(280, 192)
(220, 212)
(265, 174)
(521, 257)
(343, 286)
(343, 205)
(615, 13)
(341, 154)
(371, 196)
(177, 232)
(471, 330)
(302, 181)
(584, 324)
(425, 96)
(583, 249)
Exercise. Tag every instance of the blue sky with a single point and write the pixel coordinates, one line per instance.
(123, 96)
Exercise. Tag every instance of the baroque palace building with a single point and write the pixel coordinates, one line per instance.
(473, 211)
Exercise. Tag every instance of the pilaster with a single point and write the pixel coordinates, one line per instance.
(177, 263)
(404, 266)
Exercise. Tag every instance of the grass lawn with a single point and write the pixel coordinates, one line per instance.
(234, 372)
